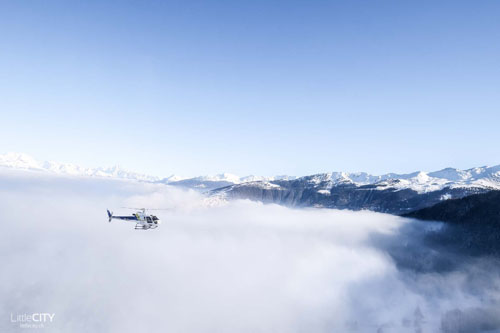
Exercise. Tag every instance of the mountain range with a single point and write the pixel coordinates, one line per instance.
(481, 177)
(23, 161)
(390, 193)
(26, 162)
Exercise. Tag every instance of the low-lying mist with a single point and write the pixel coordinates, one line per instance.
(238, 267)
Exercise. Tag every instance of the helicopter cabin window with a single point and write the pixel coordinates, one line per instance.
(148, 219)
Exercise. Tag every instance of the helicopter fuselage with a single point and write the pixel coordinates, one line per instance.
(143, 221)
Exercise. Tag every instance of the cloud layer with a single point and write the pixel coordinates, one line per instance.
(241, 267)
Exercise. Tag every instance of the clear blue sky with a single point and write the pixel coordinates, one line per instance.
(252, 87)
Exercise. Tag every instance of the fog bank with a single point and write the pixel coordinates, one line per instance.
(240, 267)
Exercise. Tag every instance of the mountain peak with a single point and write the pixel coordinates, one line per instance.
(19, 161)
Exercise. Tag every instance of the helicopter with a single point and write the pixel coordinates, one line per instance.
(143, 221)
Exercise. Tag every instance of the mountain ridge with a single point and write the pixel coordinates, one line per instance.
(419, 181)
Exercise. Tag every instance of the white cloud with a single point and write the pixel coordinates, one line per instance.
(241, 267)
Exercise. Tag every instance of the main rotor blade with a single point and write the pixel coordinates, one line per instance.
(143, 208)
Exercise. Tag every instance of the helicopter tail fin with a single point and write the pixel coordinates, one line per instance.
(110, 215)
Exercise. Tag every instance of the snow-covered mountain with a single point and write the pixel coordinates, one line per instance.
(225, 177)
(25, 162)
(421, 182)
(206, 183)
(389, 193)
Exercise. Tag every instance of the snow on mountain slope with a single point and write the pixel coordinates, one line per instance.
(227, 177)
(484, 177)
(422, 182)
(173, 178)
(223, 178)
(26, 162)
(19, 161)
(253, 178)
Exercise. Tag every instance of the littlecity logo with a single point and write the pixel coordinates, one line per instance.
(32, 320)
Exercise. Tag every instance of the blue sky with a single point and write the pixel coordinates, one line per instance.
(252, 87)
